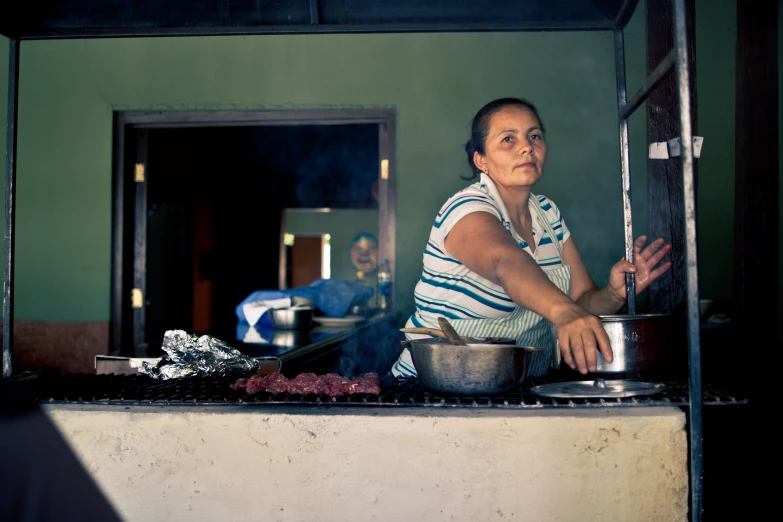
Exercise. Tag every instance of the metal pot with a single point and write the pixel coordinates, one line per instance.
(296, 318)
(472, 369)
(638, 342)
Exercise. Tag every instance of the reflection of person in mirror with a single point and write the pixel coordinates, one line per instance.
(500, 260)
(364, 253)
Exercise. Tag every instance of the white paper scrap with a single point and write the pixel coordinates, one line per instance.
(674, 147)
(670, 149)
(697, 142)
(659, 150)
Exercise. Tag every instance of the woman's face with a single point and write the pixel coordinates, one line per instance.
(515, 148)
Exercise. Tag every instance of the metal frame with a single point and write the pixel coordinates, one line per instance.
(677, 61)
(473, 27)
(10, 202)
(311, 17)
(137, 390)
(139, 263)
(691, 258)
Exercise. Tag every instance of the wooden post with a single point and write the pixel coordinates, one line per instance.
(664, 177)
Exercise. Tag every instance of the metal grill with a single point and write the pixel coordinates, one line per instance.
(140, 390)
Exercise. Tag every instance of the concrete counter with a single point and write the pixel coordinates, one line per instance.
(309, 464)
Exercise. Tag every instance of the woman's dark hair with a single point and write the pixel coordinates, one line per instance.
(479, 128)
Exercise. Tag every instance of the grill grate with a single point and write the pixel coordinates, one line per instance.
(141, 390)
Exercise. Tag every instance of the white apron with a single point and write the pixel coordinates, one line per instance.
(526, 327)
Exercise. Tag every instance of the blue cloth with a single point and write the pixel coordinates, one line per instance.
(334, 297)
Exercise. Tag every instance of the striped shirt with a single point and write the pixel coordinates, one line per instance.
(448, 288)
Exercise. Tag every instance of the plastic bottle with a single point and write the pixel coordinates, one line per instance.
(384, 285)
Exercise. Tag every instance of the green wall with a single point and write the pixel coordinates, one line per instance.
(716, 40)
(435, 82)
(343, 225)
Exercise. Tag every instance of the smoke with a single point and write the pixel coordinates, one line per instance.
(375, 349)
(316, 166)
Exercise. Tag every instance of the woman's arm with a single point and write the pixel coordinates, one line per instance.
(480, 242)
(611, 298)
(584, 291)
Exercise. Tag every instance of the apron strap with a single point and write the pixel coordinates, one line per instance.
(544, 220)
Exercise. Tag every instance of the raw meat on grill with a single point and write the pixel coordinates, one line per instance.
(303, 384)
(330, 384)
(274, 383)
(241, 384)
(367, 384)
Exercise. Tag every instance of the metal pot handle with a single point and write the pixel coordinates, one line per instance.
(273, 358)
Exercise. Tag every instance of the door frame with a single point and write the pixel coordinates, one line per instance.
(128, 124)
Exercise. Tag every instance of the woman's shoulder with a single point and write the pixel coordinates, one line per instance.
(473, 198)
(476, 192)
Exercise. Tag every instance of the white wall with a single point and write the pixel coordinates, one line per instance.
(610, 464)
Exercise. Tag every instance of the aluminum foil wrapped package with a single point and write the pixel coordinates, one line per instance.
(193, 356)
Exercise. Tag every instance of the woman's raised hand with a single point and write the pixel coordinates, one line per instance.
(644, 266)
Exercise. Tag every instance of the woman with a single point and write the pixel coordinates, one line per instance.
(500, 260)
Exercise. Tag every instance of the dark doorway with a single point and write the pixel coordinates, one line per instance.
(202, 228)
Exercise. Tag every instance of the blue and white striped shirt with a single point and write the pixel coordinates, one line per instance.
(448, 288)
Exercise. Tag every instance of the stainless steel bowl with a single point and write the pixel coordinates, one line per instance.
(297, 318)
(473, 369)
(638, 342)
(495, 340)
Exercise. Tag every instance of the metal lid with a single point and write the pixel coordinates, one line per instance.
(597, 389)
(631, 317)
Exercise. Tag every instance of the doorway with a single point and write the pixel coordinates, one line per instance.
(306, 259)
(200, 200)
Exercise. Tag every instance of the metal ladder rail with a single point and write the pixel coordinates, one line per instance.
(10, 203)
(677, 60)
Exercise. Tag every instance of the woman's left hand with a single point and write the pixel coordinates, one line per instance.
(644, 266)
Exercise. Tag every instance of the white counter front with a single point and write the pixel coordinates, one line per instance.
(397, 465)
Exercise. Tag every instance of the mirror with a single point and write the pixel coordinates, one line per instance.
(338, 243)
(223, 190)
